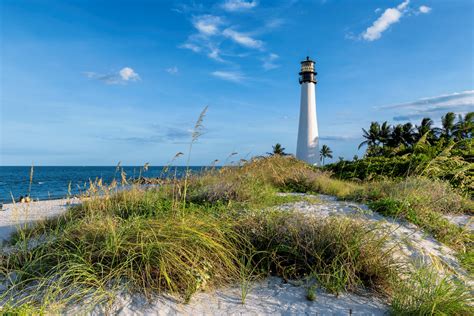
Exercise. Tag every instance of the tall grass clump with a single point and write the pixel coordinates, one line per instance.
(341, 254)
(286, 173)
(425, 293)
(117, 246)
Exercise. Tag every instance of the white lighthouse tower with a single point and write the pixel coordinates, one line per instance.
(307, 148)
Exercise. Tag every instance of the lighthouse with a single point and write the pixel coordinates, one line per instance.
(307, 148)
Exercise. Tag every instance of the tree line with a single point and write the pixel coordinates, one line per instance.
(385, 139)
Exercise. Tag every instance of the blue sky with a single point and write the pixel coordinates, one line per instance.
(97, 82)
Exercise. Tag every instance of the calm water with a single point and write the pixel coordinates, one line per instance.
(53, 182)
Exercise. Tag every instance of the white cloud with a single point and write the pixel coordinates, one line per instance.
(121, 77)
(172, 70)
(389, 17)
(128, 74)
(206, 40)
(207, 24)
(191, 46)
(424, 9)
(228, 75)
(339, 137)
(238, 5)
(437, 105)
(214, 53)
(269, 62)
(274, 23)
(463, 98)
(403, 5)
(213, 36)
(242, 39)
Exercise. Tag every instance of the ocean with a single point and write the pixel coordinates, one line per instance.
(53, 182)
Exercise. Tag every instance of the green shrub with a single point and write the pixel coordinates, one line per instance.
(453, 169)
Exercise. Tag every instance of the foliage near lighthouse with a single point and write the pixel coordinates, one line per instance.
(446, 152)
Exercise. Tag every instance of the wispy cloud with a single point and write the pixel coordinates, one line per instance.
(454, 102)
(463, 98)
(214, 53)
(242, 39)
(204, 41)
(269, 62)
(155, 135)
(238, 5)
(424, 9)
(228, 75)
(123, 76)
(207, 24)
(341, 138)
(388, 17)
(212, 31)
(172, 70)
(191, 46)
(274, 23)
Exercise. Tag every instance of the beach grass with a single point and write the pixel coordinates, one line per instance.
(418, 200)
(425, 293)
(208, 231)
(136, 240)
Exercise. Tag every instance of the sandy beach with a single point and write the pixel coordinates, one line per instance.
(14, 214)
(272, 295)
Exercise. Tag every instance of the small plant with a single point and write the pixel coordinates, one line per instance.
(311, 293)
(389, 207)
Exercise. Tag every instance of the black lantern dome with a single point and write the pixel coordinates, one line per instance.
(308, 73)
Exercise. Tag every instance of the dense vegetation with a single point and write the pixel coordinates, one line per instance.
(223, 231)
(402, 150)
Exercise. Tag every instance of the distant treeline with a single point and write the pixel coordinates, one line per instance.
(400, 150)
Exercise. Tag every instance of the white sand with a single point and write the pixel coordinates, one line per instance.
(15, 214)
(410, 242)
(464, 221)
(268, 297)
(271, 296)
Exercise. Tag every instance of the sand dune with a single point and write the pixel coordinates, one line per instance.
(272, 295)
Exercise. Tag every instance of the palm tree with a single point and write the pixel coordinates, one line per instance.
(396, 137)
(384, 133)
(464, 128)
(407, 134)
(424, 128)
(447, 122)
(371, 136)
(325, 152)
(278, 150)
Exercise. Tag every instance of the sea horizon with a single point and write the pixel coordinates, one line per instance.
(56, 182)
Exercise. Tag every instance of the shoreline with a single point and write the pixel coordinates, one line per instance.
(14, 214)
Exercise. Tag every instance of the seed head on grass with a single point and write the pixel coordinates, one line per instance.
(197, 132)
